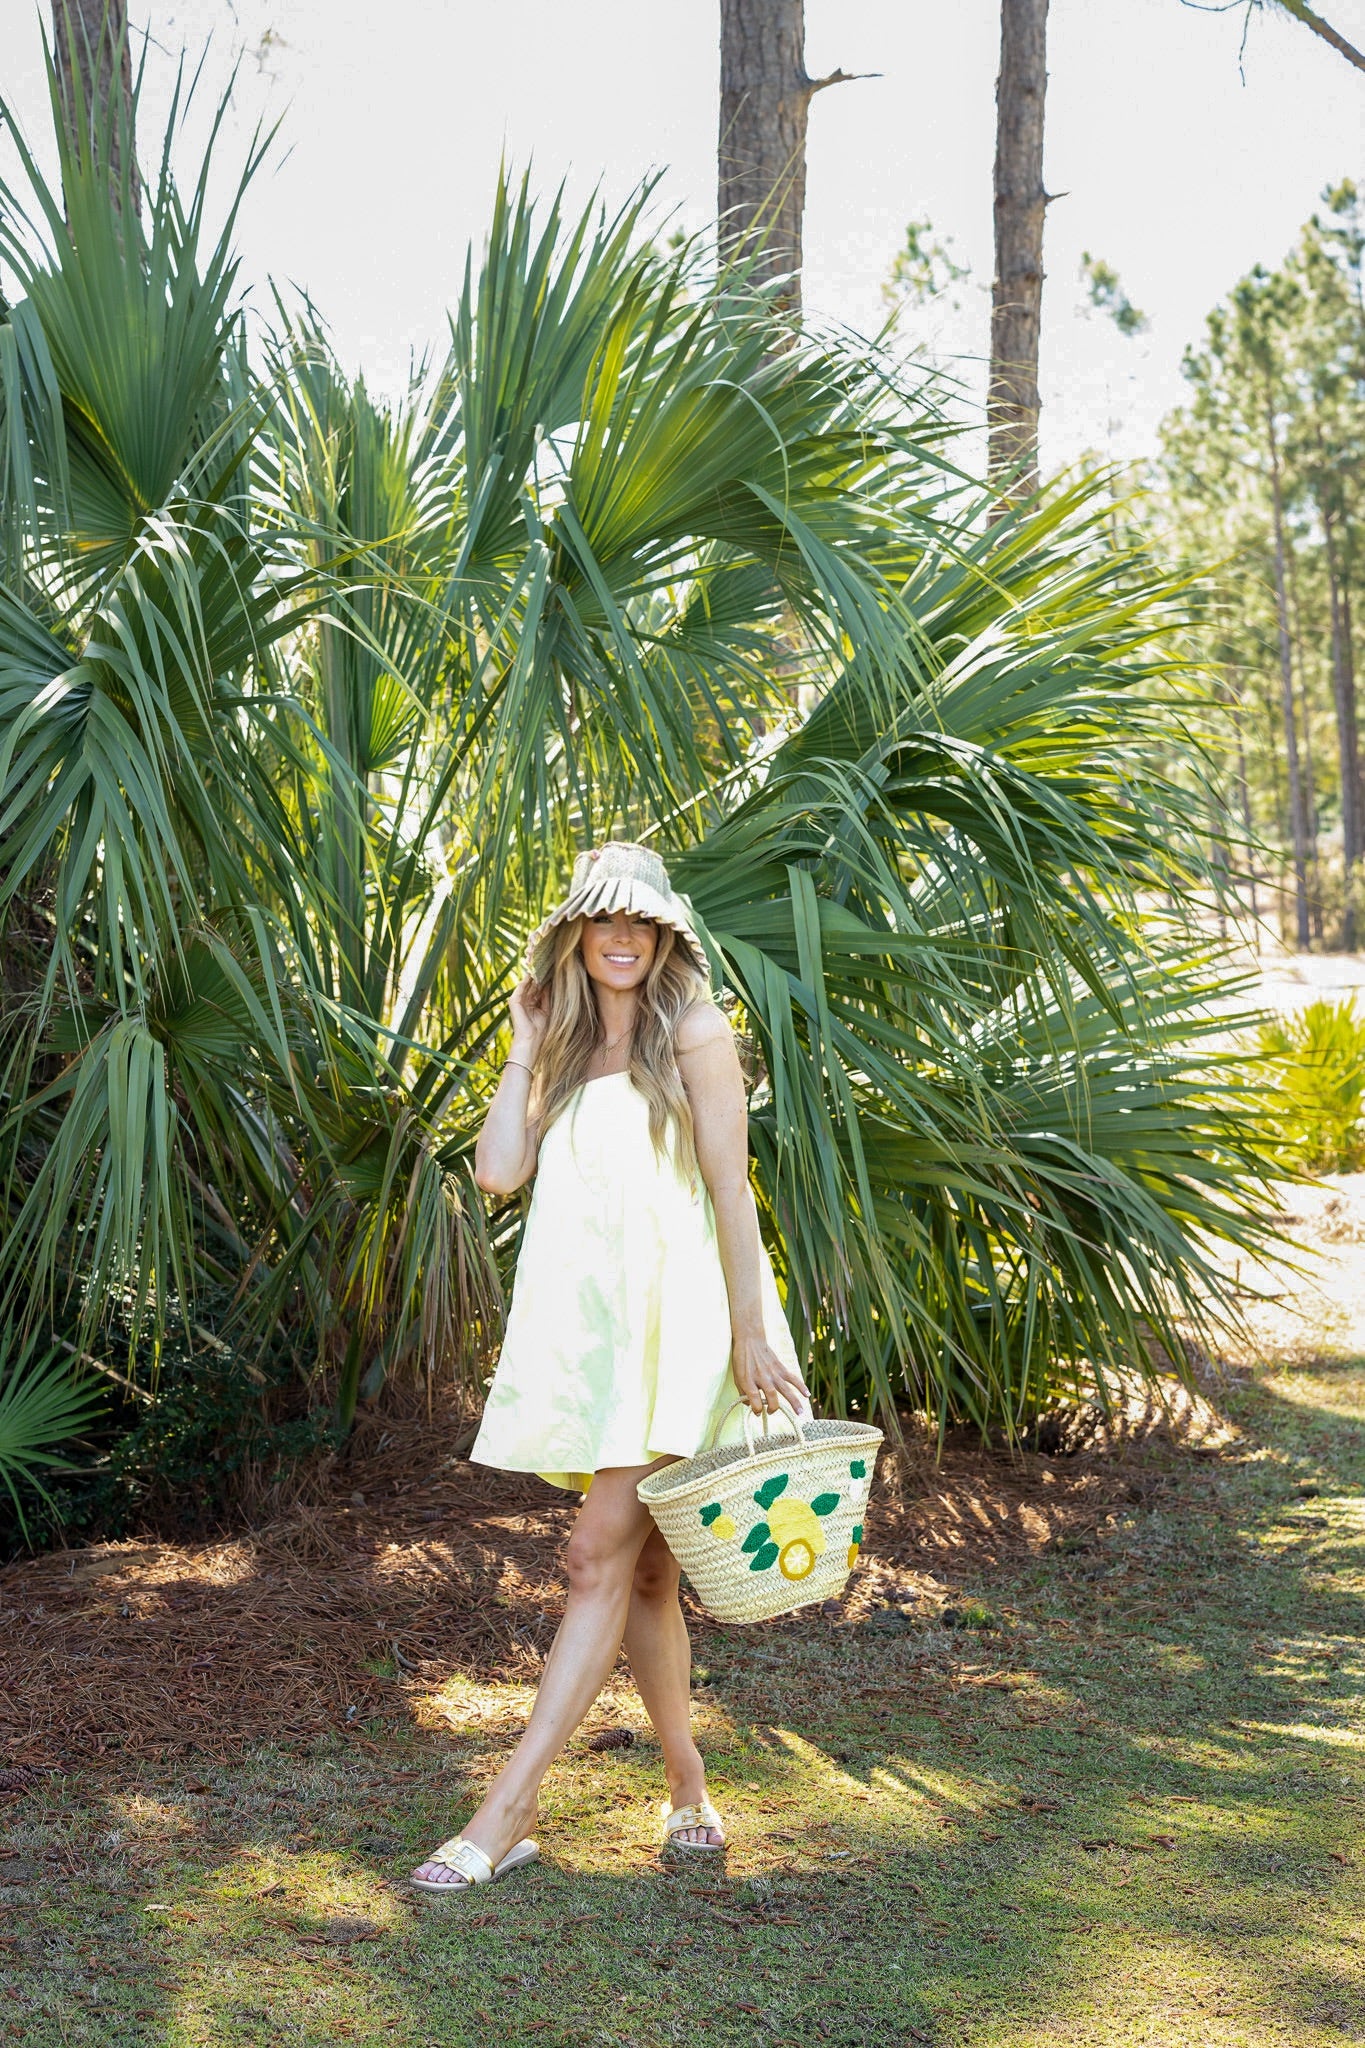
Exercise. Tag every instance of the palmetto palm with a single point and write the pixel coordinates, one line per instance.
(307, 698)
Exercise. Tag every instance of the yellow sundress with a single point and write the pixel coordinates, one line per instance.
(617, 1348)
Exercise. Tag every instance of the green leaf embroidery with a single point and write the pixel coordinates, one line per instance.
(710, 1511)
(857, 1532)
(858, 1469)
(768, 1492)
(764, 1558)
(759, 1534)
(825, 1503)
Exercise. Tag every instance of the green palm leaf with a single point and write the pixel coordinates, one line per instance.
(43, 1405)
(307, 699)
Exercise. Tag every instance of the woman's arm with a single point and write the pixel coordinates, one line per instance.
(709, 1064)
(505, 1155)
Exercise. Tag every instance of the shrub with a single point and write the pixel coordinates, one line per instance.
(176, 1450)
(1318, 1059)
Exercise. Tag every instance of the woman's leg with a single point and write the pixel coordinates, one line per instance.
(660, 1656)
(607, 1536)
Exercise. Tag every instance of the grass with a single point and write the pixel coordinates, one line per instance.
(1119, 1802)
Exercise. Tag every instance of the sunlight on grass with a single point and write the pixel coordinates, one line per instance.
(462, 1703)
(822, 1766)
(1117, 1822)
(1347, 1738)
(1336, 1392)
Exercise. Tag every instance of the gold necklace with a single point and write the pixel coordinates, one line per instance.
(610, 1045)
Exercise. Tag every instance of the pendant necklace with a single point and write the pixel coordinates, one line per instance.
(609, 1045)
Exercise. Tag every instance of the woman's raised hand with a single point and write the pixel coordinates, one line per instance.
(760, 1376)
(529, 1010)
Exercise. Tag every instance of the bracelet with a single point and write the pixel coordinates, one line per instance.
(522, 1064)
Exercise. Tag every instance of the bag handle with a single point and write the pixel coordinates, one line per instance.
(784, 1406)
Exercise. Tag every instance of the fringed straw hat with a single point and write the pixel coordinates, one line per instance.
(617, 876)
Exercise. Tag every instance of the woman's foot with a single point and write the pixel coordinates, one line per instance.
(707, 1833)
(495, 1829)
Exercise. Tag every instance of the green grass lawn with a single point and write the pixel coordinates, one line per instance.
(1128, 1810)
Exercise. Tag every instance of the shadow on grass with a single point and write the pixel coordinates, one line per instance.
(1129, 1813)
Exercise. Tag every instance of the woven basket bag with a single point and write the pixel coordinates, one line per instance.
(762, 1528)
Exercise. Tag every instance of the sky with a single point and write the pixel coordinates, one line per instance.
(1172, 161)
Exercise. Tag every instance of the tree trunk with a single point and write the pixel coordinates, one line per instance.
(1244, 789)
(95, 86)
(1020, 205)
(1231, 693)
(1348, 691)
(1310, 796)
(1298, 824)
(1348, 743)
(1310, 775)
(765, 98)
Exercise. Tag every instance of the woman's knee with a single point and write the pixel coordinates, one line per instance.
(597, 1557)
(656, 1572)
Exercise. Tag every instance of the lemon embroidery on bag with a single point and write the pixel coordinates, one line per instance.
(790, 1535)
(800, 1539)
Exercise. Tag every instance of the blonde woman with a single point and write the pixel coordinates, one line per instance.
(644, 1306)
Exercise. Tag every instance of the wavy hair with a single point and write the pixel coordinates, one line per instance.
(673, 984)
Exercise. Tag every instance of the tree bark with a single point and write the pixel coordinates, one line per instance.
(1312, 823)
(95, 86)
(1020, 206)
(1230, 690)
(765, 97)
(1244, 791)
(1298, 824)
(1348, 740)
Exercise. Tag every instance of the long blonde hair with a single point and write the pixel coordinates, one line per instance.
(672, 985)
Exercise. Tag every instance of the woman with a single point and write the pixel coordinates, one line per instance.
(644, 1307)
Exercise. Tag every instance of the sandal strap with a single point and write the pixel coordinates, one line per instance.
(466, 1857)
(702, 1815)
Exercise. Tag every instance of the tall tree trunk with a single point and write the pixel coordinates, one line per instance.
(1231, 692)
(1298, 822)
(1310, 775)
(1348, 742)
(1348, 690)
(1273, 735)
(1310, 795)
(1020, 206)
(765, 97)
(1244, 786)
(95, 86)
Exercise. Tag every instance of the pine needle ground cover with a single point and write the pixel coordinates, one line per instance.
(1095, 1775)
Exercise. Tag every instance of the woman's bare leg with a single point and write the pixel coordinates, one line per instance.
(606, 1541)
(660, 1654)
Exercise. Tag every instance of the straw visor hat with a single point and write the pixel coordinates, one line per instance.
(617, 876)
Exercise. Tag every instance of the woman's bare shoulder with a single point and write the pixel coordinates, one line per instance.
(702, 1025)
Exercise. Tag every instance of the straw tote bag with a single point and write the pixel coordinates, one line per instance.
(764, 1527)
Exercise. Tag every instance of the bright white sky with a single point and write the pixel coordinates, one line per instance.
(396, 112)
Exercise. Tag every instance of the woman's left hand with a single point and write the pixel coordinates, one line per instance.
(760, 1376)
